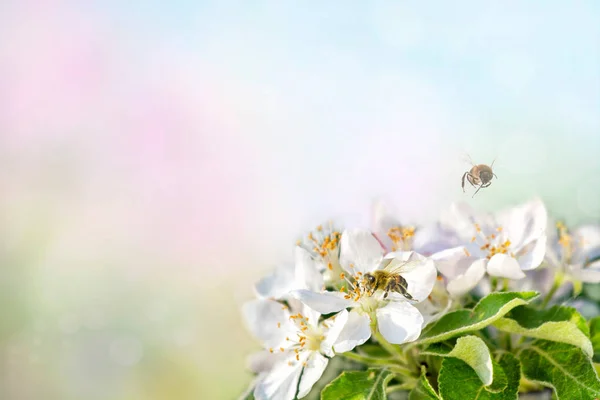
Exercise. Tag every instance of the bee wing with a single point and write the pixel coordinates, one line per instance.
(402, 266)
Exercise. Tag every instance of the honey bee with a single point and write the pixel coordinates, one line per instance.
(388, 280)
(479, 175)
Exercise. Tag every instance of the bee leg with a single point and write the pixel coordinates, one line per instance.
(480, 186)
(472, 179)
(463, 181)
(402, 288)
(390, 287)
(495, 175)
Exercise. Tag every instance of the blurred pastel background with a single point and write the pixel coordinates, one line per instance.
(157, 157)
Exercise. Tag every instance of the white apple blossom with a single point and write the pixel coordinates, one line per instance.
(298, 347)
(388, 229)
(394, 235)
(395, 317)
(576, 253)
(303, 274)
(503, 245)
(323, 244)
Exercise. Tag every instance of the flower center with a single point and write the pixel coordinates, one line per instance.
(565, 241)
(324, 245)
(401, 237)
(306, 337)
(491, 244)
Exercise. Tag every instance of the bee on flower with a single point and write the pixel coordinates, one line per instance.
(388, 311)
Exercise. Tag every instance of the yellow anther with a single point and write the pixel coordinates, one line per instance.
(281, 349)
(466, 252)
(271, 350)
(472, 239)
(279, 324)
(343, 276)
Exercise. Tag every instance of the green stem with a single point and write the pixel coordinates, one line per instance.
(382, 362)
(402, 386)
(394, 350)
(369, 360)
(494, 283)
(558, 280)
(505, 285)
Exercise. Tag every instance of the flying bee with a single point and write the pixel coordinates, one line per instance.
(389, 279)
(479, 175)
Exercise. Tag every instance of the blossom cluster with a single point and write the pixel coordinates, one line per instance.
(384, 285)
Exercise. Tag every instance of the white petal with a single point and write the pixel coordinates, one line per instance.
(281, 383)
(466, 281)
(432, 239)
(505, 266)
(589, 274)
(461, 218)
(264, 361)
(335, 325)
(524, 223)
(277, 284)
(403, 256)
(325, 303)
(588, 236)
(310, 313)
(399, 322)
(421, 279)
(356, 332)
(262, 318)
(532, 254)
(448, 260)
(307, 272)
(383, 220)
(316, 364)
(359, 251)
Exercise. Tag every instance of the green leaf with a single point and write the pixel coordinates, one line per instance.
(595, 335)
(487, 311)
(358, 385)
(458, 381)
(530, 317)
(563, 367)
(559, 324)
(373, 350)
(471, 350)
(423, 390)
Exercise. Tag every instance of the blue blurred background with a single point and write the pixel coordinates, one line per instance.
(157, 157)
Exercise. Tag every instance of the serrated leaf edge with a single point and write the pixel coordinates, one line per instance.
(482, 324)
(512, 326)
(547, 357)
